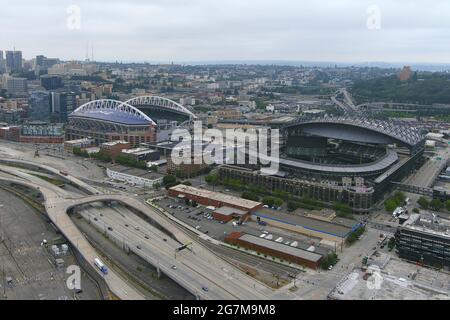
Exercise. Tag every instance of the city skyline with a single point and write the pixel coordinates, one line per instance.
(205, 31)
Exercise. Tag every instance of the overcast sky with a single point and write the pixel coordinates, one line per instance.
(207, 30)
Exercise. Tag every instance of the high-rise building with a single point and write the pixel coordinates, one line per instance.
(16, 85)
(425, 239)
(2, 62)
(62, 104)
(40, 106)
(51, 82)
(13, 61)
(40, 61)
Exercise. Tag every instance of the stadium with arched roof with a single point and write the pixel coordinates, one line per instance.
(353, 160)
(109, 120)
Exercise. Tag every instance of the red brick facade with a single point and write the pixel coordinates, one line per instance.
(234, 238)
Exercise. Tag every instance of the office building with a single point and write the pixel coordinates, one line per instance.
(425, 239)
(62, 104)
(13, 61)
(51, 82)
(2, 63)
(16, 86)
(40, 106)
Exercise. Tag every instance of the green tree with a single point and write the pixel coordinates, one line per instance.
(212, 179)
(447, 205)
(391, 243)
(400, 197)
(342, 209)
(169, 179)
(423, 202)
(329, 260)
(390, 205)
(354, 236)
(436, 204)
(272, 201)
(292, 206)
(250, 196)
(102, 156)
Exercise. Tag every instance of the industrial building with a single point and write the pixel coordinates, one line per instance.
(425, 239)
(227, 214)
(142, 154)
(211, 198)
(133, 176)
(114, 148)
(34, 132)
(275, 249)
(190, 168)
(79, 143)
(335, 230)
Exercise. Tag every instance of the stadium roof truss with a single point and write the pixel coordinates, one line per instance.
(408, 135)
(118, 111)
(161, 102)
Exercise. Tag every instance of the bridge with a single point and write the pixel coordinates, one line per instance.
(413, 189)
(62, 221)
(199, 270)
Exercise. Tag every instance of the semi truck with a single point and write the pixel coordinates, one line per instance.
(99, 264)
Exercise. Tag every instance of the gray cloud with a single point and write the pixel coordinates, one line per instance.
(181, 30)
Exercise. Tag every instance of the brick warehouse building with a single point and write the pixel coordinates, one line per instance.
(227, 214)
(275, 249)
(216, 199)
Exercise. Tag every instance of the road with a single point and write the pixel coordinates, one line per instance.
(52, 195)
(201, 269)
(224, 279)
(158, 248)
(427, 174)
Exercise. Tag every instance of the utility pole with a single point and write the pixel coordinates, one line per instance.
(4, 279)
(158, 270)
(1, 225)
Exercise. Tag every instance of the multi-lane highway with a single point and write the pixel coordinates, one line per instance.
(200, 271)
(52, 195)
(199, 276)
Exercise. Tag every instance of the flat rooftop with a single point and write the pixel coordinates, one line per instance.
(113, 143)
(135, 172)
(228, 211)
(331, 228)
(297, 252)
(139, 151)
(217, 196)
(79, 141)
(429, 223)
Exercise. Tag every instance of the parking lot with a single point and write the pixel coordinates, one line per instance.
(201, 218)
